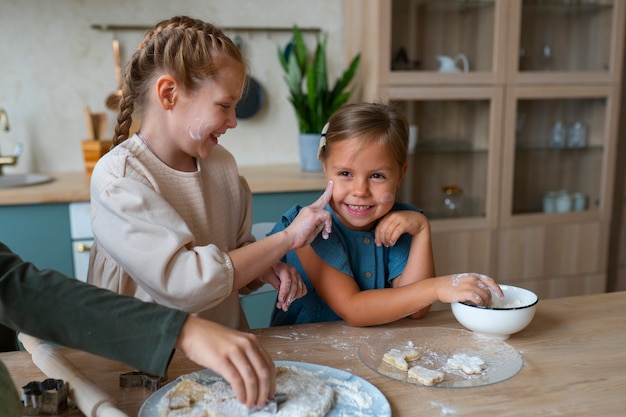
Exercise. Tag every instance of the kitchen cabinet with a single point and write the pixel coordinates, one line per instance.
(513, 160)
(38, 233)
(269, 207)
(82, 237)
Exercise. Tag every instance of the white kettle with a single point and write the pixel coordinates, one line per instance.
(449, 64)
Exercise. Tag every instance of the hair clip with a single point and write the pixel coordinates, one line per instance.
(322, 144)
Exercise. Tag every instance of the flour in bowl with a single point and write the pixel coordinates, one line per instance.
(503, 303)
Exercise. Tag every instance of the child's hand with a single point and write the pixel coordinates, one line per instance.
(239, 357)
(311, 220)
(471, 287)
(394, 224)
(287, 282)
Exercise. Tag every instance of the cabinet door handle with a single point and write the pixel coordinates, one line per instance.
(83, 248)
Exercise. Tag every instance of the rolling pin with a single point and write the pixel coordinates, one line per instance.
(89, 399)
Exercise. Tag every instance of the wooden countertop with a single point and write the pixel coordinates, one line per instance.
(574, 355)
(70, 187)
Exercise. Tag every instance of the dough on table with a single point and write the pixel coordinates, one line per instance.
(425, 376)
(468, 364)
(307, 396)
(401, 358)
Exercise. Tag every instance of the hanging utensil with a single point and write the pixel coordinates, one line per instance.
(113, 100)
(252, 98)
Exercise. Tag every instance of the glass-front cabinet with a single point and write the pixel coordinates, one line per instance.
(452, 151)
(559, 153)
(513, 107)
(414, 48)
(565, 36)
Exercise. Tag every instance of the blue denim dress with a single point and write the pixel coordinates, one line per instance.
(352, 252)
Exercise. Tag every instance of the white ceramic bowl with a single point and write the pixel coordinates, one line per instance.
(506, 316)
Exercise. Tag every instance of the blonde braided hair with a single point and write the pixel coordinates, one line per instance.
(182, 47)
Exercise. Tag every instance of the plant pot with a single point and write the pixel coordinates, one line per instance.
(309, 143)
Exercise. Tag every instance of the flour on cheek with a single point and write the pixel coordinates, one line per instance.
(387, 198)
(198, 131)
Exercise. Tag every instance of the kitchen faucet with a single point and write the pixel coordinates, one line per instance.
(8, 160)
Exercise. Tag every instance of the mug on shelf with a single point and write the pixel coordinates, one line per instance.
(579, 201)
(549, 202)
(563, 202)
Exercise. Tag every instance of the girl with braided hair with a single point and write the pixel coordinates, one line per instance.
(171, 215)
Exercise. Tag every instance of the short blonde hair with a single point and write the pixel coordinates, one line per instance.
(369, 123)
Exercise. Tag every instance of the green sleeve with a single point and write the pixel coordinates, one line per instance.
(10, 404)
(53, 307)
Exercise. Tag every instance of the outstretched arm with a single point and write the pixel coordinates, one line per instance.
(126, 329)
(379, 306)
(252, 260)
(356, 307)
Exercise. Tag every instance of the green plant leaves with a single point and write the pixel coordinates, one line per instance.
(315, 104)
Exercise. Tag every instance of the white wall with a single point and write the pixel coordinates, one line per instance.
(52, 63)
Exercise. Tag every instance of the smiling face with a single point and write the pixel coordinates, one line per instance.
(365, 181)
(207, 114)
(182, 125)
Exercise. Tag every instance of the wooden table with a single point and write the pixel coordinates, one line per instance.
(574, 364)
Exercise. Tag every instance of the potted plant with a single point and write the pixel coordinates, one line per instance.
(310, 94)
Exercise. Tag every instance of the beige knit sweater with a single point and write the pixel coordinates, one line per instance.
(162, 235)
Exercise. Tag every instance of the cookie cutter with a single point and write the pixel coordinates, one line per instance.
(142, 379)
(45, 397)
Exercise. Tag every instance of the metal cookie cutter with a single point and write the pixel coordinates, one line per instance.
(142, 379)
(47, 397)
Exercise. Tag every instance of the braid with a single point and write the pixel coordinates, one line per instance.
(181, 46)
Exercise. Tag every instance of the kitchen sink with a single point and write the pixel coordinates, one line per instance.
(21, 180)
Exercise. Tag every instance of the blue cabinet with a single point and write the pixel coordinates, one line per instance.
(268, 207)
(39, 233)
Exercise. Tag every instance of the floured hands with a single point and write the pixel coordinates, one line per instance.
(471, 287)
(237, 356)
(287, 281)
(311, 220)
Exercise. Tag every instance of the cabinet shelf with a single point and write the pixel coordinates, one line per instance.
(443, 146)
(567, 7)
(543, 149)
(456, 6)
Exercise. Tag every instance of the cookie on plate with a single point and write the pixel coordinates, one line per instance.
(401, 358)
(467, 363)
(425, 376)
